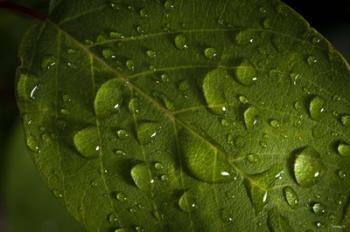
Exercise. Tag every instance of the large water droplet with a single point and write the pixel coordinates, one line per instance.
(203, 160)
(181, 42)
(290, 196)
(343, 149)
(140, 173)
(345, 120)
(109, 98)
(87, 142)
(214, 85)
(316, 107)
(147, 131)
(251, 118)
(210, 53)
(187, 202)
(246, 75)
(307, 167)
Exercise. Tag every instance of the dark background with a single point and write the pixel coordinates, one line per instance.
(330, 18)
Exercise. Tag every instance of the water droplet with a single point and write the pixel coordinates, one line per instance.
(307, 167)
(318, 208)
(253, 158)
(164, 178)
(312, 60)
(345, 120)
(143, 13)
(245, 37)
(140, 174)
(343, 149)
(109, 98)
(119, 230)
(275, 123)
(318, 224)
(158, 166)
(243, 99)
(151, 53)
(294, 78)
(187, 202)
(181, 42)
(89, 42)
(112, 219)
(147, 131)
(122, 134)
(130, 65)
(108, 54)
(251, 117)
(57, 193)
(206, 162)
(316, 40)
(139, 229)
(87, 142)
(139, 29)
(134, 106)
(169, 5)
(116, 35)
(290, 196)
(120, 196)
(71, 51)
(48, 62)
(120, 152)
(316, 107)
(341, 173)
(210, 53)
(246, 75)
(226, 216)
(214, 85)
(32, 144)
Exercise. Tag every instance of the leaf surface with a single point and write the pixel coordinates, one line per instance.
(188, 116)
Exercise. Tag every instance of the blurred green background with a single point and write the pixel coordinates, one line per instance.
(25, 202)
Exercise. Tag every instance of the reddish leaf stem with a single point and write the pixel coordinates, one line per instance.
(23, 10)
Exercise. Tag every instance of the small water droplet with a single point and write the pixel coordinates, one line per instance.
(181, 42)
(345, 120)
(316, 40)
(312, 60)
(108, 54)
(341, 173)
(89, 42)
(275, 123)
(164, 177)
(210, 53)
(187, 202)
(120, 152)
(147, 131)
(243, 99)
(139, 29)
(119, 230)
(133, 106)
(318, 208)
(294, 78)
(169, 5)
(122, 134)
(120, 196)
(139, 229)
(253, 158)
(307, 167)
(343, 149)
(290, 196)
(226, 216)
(130, 65)
(112, 219)
(48, 62)
(71, 65)
(318, 224)
(57, 193)
(71, 51)
(33, 92)
(143, 13)
(116, 35)
(245, 37)
(266, 23)
(246, 75)
(151, 53)
(316, 107)
(158, 166)
(251, 117)
(86, 142)
(32, 144)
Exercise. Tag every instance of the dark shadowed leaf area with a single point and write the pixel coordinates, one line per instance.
(193, 115)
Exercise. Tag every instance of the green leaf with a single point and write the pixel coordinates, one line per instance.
(190, 115)
(29, 204)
